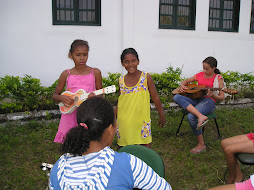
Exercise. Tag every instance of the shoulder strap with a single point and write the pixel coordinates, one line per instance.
(68, 74)
(145, 77)
(92, 71)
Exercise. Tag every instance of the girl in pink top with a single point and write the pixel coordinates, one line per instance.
(200, 107)
(81, 76)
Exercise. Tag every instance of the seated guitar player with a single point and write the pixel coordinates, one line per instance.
(198, 108)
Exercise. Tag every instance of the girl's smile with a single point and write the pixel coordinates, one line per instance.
(130, 63)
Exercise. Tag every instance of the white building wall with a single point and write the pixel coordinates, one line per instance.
(160, 48)
(30, 44)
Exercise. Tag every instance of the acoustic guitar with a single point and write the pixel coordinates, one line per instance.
(197, 91)
(80, 96)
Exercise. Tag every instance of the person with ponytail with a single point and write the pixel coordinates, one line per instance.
(88, 161)
(198, 108)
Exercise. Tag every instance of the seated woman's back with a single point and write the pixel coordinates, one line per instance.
(88, 161)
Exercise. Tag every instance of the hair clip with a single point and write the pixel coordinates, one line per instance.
(98, 120)
(83, 125)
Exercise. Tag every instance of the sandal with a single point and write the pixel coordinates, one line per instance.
(195, 151)
(202, 124)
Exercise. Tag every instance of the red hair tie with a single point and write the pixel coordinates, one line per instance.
(83, 125)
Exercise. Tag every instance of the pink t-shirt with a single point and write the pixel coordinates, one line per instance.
(202, 80)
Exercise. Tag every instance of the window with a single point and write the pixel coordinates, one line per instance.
(252, 18)
(224, 15)
(77, 12)
(177, 14)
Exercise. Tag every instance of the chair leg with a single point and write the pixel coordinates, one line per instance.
(244, 173)
(224, 176)
(203, 129)
(218, 130)
(177, 132)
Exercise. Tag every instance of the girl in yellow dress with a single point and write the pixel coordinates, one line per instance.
(133, 108)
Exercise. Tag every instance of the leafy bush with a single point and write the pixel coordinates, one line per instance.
(166, 82)
(112, 79)
(27, 94)
(244, 83)
(23, 94)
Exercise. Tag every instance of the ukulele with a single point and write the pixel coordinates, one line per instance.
(80, 96)
(197, 91)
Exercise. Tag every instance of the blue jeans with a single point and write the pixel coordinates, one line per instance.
(203, 105)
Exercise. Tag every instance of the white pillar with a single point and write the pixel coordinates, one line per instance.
(244, 17)
(127, 23)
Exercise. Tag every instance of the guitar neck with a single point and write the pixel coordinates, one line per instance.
(202, 88)
(99, 92)
(84, 96)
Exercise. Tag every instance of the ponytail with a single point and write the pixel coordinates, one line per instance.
(217, 71)
(93, 116)
(76, 141)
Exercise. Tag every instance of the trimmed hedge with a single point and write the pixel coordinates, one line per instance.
(26, 94)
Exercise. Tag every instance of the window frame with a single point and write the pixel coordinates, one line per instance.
(252, 18)
(235, 16)
(191, 16)
(76, 11)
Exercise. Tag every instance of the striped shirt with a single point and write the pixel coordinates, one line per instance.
(105, 169)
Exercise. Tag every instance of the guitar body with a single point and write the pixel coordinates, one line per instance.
(77, 100)
(193, 91)
(80, 96)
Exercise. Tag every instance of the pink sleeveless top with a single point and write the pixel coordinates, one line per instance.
(74, 83)
(202, 80)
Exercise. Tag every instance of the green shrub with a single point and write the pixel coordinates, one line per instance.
(27, 94)
(23, 94)
(166, 82)
(111, 79)
(244, 83)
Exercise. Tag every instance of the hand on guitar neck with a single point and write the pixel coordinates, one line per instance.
(196, 91)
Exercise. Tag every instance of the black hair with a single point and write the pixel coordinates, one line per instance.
(77, 43)
(213, 63)
(97, 114)
(129, 51)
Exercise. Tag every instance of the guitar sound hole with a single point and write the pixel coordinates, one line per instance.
(76, 99)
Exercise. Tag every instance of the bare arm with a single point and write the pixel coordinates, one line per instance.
(98, 79)
(116, 111)
(224, 187)
(116, 108)
(183, 86)
(156, 99)
(98, 82)
(57, 97)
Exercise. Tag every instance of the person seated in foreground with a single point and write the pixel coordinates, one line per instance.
(88, 161)
(246, 185)
(231, 146)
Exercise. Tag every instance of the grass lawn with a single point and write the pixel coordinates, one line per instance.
(23, 147)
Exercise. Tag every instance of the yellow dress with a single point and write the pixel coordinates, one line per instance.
(133, 113)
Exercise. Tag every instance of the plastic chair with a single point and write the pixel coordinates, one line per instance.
(245, 159)
(149, 156)
(210, 116)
